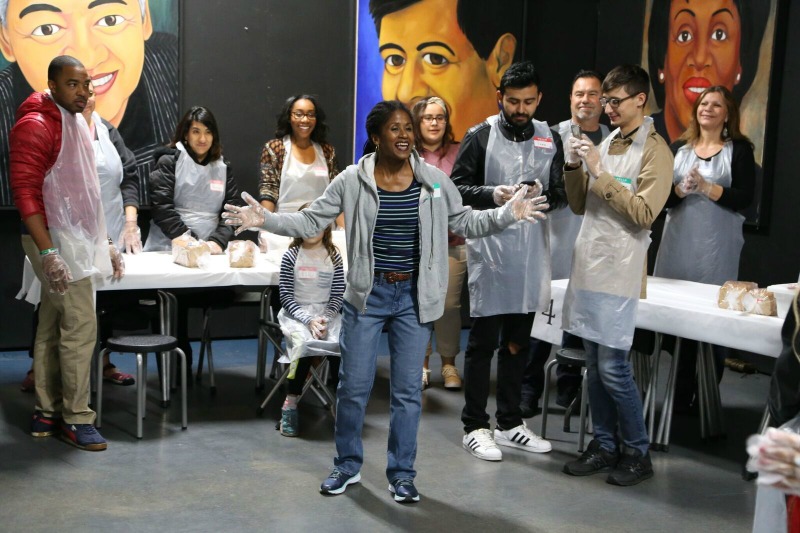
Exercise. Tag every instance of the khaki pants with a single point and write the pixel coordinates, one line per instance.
(62, 351)
(448, 326)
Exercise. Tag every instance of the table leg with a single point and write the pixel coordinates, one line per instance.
(665, 425)
(702, 392)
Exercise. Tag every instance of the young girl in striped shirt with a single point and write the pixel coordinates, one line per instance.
(311, 291)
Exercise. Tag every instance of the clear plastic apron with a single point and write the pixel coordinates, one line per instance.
(198, 198)
(313, 277)
(702, 240)
(300, 184)
(109, 171)
(606, 280)
(510, 272)
(71, 194)
(564, 224)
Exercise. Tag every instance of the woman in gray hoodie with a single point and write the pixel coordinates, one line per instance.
(397, 212)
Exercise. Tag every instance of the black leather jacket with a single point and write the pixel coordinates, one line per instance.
(468, 171)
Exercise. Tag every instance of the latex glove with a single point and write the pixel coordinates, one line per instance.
(215, 248)
(318, 327)
(590, 155)
(263, 242)
(131, 237)
(56, 272)
(503, 193)
(250, 217)
(571, 155)
(534, 189)
(527, 209)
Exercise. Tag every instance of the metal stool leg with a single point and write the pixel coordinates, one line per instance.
(546, 398)
(165, 362)
(261, 361)
(184, 378)
(140, 393)
(213, 385)
(203, 344)
(584, 403)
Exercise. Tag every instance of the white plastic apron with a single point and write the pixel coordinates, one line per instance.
(71, 194)
(198, 198)
(606, 280)
(109, 171)
(564, 224)
(702, 240)
(300, 183)
(510, 272)
(313, 277)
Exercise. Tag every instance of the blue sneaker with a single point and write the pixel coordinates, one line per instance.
(83, 436)
(42, 426)
(404, 491)
(289, 424)
(337, 482)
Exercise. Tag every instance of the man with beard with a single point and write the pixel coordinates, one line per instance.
(508, 273)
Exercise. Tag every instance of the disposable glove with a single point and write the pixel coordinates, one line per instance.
(56, 272)
(573, 158)
(215, 248)
(250, 217)
(694, 183)
(263, 242)
(776, 457)
(131, 237)
(117, 263)
(534, 189)
(502, 193)
(590, 155)
(318, 327)
(527, 209)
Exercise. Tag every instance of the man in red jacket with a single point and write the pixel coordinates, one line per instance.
(57, 192)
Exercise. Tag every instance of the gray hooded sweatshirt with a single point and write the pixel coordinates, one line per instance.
(354, 193)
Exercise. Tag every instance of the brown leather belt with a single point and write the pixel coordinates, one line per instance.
(393, 277)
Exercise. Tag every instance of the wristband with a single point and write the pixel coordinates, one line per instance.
(49, 251)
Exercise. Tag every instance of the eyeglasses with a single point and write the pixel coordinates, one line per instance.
(614, 102)
(429, 119)
(299, 115)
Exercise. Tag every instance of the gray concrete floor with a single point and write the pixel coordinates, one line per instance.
(231, 470)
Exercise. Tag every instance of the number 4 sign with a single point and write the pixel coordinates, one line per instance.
(547, 324)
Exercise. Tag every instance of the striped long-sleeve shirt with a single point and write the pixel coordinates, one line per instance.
(286, 285)
(395, 242)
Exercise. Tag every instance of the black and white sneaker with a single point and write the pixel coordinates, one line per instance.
(523, 438)
(481, 444)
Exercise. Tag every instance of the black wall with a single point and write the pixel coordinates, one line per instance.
(243, 58)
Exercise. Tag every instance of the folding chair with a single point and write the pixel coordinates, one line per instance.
(270, 332)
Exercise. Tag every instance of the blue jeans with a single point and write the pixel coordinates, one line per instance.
(614, 398)
(393, 305)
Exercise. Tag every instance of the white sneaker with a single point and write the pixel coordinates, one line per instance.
(523, 438)
(481, 444)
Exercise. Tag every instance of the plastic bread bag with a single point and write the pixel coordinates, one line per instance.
(242, 254)
(775, 456)
(760, 302)
(731, 293)
(189, 252)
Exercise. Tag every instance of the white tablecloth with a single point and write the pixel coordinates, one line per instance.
(155, 270)
(685, 309)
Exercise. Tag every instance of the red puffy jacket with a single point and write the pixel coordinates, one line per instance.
(34, 144)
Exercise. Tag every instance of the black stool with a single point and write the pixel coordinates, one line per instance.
(141, 345)
(567, 356)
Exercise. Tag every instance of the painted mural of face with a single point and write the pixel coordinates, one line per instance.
(425, 53)
(107, 36)
(703, 50)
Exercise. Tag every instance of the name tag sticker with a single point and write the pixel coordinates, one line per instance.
(307, 272)
(626, 182)
(437, 190)
(320, 171)
(545, 143)
(217, 185)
